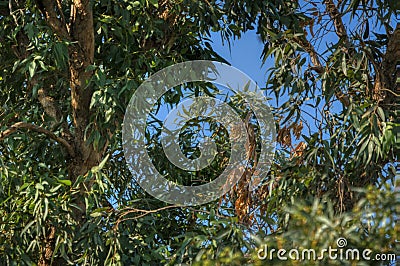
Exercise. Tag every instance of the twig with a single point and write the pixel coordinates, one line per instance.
(392, 92)
(144, 213)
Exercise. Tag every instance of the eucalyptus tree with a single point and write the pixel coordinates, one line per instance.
(69, 67)
(68, 70)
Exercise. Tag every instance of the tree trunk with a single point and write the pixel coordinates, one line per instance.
(80, 32)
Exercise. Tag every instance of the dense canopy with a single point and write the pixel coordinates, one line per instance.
(69, 67)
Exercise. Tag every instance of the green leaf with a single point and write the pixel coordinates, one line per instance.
(344, 64)
(25, 185)
(66, 182)
(39, 186)
(154, 2)
(101, 165)
(54, 189)
(381, 113)
(46, 208)
(27, 227)
(90, 68)
(96, 214)
(32, 68)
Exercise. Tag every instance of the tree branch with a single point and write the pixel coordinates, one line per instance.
(82, 56)
(144, 213)
(63, 20)
(23, 125)
(306, 45)
(336, 17)
(309, 48)
(47, 7)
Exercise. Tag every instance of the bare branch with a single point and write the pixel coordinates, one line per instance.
(23, 125)
(144, 213)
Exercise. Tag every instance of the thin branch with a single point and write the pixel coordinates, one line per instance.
(209, 213)
(390, 91)
(340, 30)
(23, 125)
(144, 213)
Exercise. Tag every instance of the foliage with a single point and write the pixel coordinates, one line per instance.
(314, 225)
(69, 67)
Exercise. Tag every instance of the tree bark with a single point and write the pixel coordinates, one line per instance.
(387, 89)
(80, 31)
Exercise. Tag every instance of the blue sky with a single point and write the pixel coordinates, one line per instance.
(245, 55)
